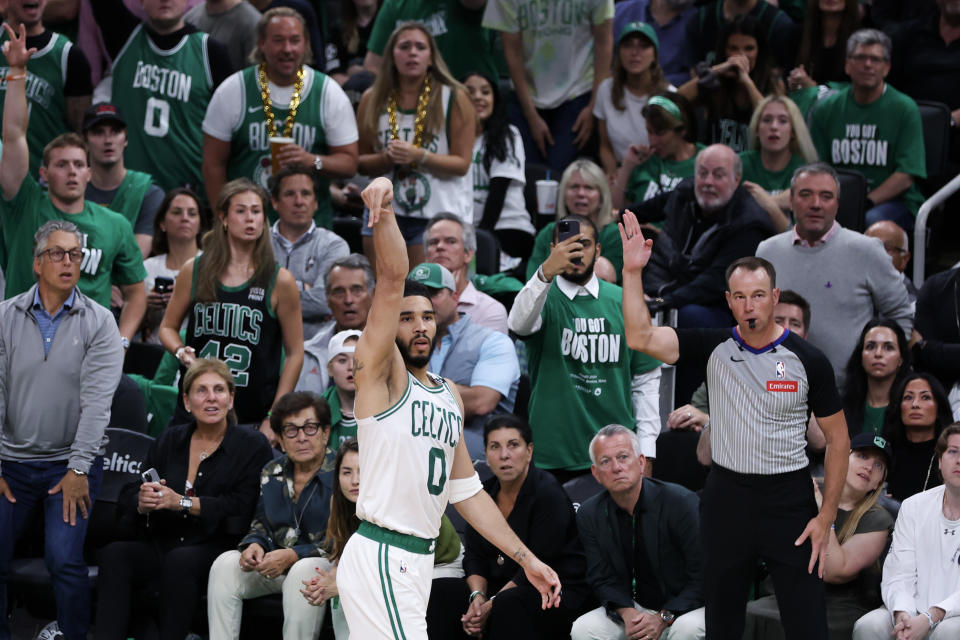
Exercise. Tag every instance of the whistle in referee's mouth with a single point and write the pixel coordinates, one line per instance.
(752, 322)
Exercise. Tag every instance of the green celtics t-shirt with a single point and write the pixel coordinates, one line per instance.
(250, 145)
(110, 251)
(876, 139)
(164, 96)
(581, 375)
(658, 175)
(611, 247)
(46, 71)
(463, 43)
(772, 181)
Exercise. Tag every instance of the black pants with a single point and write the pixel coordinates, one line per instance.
(131, 568)
(518, 615)
(746, 517)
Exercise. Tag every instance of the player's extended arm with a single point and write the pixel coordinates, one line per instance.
(835, 472)
(659, 342)
(376, 348)
(15, 160)
(484, 516)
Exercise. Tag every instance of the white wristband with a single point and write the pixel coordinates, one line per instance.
(463, 488)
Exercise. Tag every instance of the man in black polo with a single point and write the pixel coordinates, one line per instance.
(762, 381)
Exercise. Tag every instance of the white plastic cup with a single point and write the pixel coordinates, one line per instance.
(277, 143)
(547, 196)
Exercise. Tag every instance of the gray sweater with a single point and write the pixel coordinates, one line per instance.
(56, 407)
(309, 259)
(847, 280)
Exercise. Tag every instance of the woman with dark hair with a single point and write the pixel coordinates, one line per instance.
(176, 232)
(240, 306)
(649, 170)
(877, 364)
(918, 412)
(501, 602)
(207, 477)
(417, 127)
(621, 98)
(498, 170)
(283, 547)
(349, 37)
(732, 89)
(823, 53)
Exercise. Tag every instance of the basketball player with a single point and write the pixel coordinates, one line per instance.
(413, 459)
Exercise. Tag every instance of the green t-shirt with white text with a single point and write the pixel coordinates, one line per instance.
(772, 181)
(658, 175)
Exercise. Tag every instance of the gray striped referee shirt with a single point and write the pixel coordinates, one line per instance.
(760, 399)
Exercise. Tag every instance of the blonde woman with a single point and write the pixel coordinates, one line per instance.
(417, 127)
(856, 542)
(584, 191)
(240, 305)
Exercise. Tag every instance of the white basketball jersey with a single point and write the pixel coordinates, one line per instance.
(406, 455)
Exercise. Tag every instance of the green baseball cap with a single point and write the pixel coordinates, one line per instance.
(642, 28)
(433, 275)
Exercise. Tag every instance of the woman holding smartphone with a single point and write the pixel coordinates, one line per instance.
(209, 473)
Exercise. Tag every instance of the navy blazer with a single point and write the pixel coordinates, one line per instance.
(671, 532)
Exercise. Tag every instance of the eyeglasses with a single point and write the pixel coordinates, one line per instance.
(57, 254)
(290, 430)
(865, 57)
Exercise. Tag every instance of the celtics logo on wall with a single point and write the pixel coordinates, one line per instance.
(411, 191)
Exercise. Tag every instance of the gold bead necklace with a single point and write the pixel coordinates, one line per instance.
(423, 101)
(268, 104)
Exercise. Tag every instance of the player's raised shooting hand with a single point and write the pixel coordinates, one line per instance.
(378, 196)
(636, 249)
(545, 580)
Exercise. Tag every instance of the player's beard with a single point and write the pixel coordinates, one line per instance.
(415, 362)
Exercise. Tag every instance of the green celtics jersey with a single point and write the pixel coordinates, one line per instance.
(658, 175)
(875, 139)
(250, 145)
(164, 95)
(242, 329)
(342, 428)
(110, 251)
(128, 199)
(772, 181)
(581, 375)
(46, 73)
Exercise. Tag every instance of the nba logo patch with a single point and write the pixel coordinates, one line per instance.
(781, 370)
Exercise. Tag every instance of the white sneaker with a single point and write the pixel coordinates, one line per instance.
(50, 632)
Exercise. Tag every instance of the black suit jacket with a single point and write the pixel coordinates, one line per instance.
(671, 531)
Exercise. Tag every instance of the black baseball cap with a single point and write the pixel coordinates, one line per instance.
(102, 112)
(872, 441)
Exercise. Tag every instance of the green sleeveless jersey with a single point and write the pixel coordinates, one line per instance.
(250, 145)
(128, 199)
(46, 73)
(164, 95)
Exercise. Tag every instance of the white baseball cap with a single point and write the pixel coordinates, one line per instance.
(335, 347)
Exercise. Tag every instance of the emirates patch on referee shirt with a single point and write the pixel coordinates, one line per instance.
(783, 385)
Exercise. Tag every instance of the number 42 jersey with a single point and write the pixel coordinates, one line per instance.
(164, 95)
(406, 455)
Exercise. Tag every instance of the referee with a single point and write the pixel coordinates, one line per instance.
(758, 502)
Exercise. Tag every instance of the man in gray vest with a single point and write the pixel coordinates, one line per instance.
(482, 362)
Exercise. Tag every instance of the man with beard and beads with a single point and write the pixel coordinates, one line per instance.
(163, 75)
(582, 374)
(763, 383)
(413, 459)
(280, 95)
(58, 79)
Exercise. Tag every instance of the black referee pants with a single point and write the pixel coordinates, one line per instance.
(745, 517)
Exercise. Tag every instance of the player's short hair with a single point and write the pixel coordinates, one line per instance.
(64, 141)
(413, 288)
(508, 421)
(789, 296)
(942, 441)
(752, 263)
(295, 402)
(615, 430)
